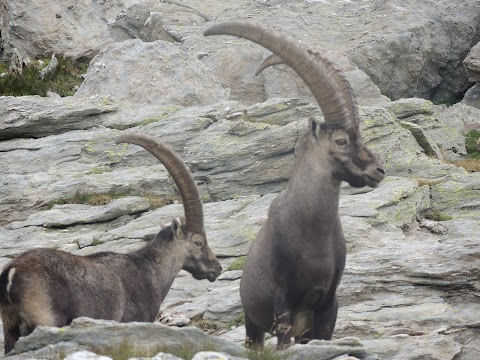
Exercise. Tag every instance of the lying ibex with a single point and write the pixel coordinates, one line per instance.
(295, 264)
(51, 287)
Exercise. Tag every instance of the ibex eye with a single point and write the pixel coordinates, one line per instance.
(341, 142)
(198, 243)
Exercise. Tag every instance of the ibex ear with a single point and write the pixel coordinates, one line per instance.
(177, 229)
(314, 126)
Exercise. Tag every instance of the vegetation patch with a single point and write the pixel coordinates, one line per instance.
(471, 144)
(64, 80)
(437, 216)
(96, 242)
(428, 182)
(127, 350)
(472, 162)
(84, 198)
(237, 264)
(238, 321)
(207, 325)
(157, 201)
(266, 354)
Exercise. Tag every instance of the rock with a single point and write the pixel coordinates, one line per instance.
(108, 335)
(406, 108)
(458, 196)
(436, 138)
(472, 96)
(74, 214)
(149, 20)
(472, 64)
(158, 72)
(86, 355)
(434, 226)
(460, 116)
(34, 116)
(37, 28)
(321, 349)
(50, 68)
(210, 355)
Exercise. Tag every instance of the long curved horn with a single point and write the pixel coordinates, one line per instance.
(326, 81)
(175, 165)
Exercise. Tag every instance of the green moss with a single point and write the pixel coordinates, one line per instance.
(149, 121)
(127, 350)
(98, 170)
(238, 321)
(266, 354)
(438, 216)
(96, 242)
(207, 325)
(237, 264)
(93, 199)
(64, 80)
(471, 144)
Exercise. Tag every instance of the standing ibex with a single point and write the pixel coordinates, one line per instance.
(296, 262)
(51, 287)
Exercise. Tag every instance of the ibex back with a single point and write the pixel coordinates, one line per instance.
(294, 266)
(51, 287)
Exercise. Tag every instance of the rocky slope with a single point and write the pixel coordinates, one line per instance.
(411, 285)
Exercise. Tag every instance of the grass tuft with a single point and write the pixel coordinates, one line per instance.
(237, 264)
(64, 80)
(437, 216)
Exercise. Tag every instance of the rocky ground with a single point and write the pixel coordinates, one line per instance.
(411, 285)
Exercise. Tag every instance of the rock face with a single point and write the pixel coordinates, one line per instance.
(37, 27)
(410, 287)
(165, 73)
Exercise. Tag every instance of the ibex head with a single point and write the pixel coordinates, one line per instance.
(339, 135)
(200, 261)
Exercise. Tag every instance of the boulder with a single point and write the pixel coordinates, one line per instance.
(35, 116)
(149, 20)
(144, 73)
(436, 138)
(472, 64)
(72, 29)
(105, 335)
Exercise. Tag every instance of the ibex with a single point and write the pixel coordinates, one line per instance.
(51, 287)
(294, 266)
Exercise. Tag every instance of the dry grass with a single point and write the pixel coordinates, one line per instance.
(471, 165)
(429, 182)
(161, 201)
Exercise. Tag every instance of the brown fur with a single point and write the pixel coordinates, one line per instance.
(51, 287)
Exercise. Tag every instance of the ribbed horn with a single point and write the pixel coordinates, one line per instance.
(325, 80)
(175, 165)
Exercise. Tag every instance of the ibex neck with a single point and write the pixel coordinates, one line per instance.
(162, 261)
(313, 194)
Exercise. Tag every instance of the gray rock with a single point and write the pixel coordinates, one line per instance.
(461, 117)
(458, 196)
(472, 96)
(37, 28)
(321, 349)
(472, 64)
(211, 355)
(148, 21)
(73, 214)
(104, 334)
(34, 116)
(436, 138)
(158, 72)
(86, 355)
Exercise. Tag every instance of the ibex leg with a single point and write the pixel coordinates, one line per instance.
(325, 318)
(255, 336)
